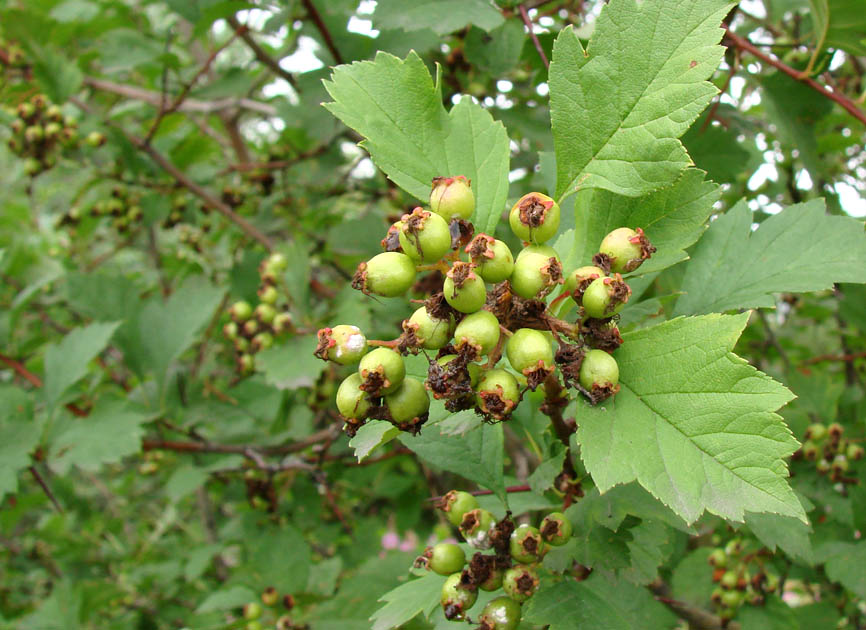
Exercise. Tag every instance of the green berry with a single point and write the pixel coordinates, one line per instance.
(526, 544)
(771, 582)
(546, 250)
(34, 134)
(424, 236)
(95, 139)
(840, 464)
(431, 333)
(810, 450)
(480, 330)
(230, 330)
(408, 403)
(501, 613)
(718, 558)
(854, 452)
(270, 596)
(265, 313)
(252, 610)
(535, 217)
(282, 323)
(475, 527)
(241, 311)
(388, 274)
(251, 327)
(254, 625)
(816, 432)
(446, 558)
(344, 344)
(493, 260)
(262, 341)
(382, 371)
(242, 344)
(726, 614)
(352, 402)
(577, 281)
(497, 393)
(268, 294)
(823, 467)
(464, 290)
(535, 275)
(729, 580)
(455, 599)
(556, 529)
(276, 263)
(520, 582)
(605, 297)
(734, 547)
(599, 375)
(625, 249)
(456, 504)
(529, 350)
(732, 599)
(452, 197)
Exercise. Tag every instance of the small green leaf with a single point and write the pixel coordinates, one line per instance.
(408, 600)
(19, 435)
(397, 107)
(478, 455)
(226, 598)
(789, 534)
(844, 563)
(442, 16)
(693, 423)
(374, 433)
(66, 362)
(800, 249)
(291, 365)
(547, 471)
(618, 107)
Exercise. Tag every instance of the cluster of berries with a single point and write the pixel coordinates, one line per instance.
(255, 614)
(11, 55)
(737, 584)
(465, 321)
(124, 208)
(511, 566)
(253, 329)
(39, 130)
(833, 454)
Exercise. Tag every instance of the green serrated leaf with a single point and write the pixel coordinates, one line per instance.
(111, 432)
(58, 74)
(478, 455)
(66, 362)
(694, 424)
(773, 615)
(226, 598)
(442, 16)
(652, 544)
(789, 534)
(408, 600)
(397, 107)
(19, 435)
(547, 470)
(618, 107)
(799, 249)
(597, 603)
(374, 433)
(673, 218)
(844, 563)
(291, 365)
(692, 579)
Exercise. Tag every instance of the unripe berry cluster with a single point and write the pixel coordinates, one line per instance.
(511, 567)
(741, 578)
(252, 329)
(833, 455)
(11, 55)
(482, 303)
(256, 615)
(40, 130)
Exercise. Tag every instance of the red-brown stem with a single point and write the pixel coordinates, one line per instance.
(323, 29)
(529, 26)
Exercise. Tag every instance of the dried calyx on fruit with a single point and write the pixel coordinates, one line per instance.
(476, 302)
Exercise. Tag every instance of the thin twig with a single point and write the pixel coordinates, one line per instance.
(841, 99)
(260, 53)
(530, 28)
(240, 449)
(481, 493)
(46, 489)
(697, 618)
(323, 29)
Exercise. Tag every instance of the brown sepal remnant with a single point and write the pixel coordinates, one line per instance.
(569, 358)
(408, 341)
(439, 308)
(460, 273)
(551, 529)
(619, 291)
(500, 301)
(414, 425)
(461, 232)
(602, 261)
(646, 250)
(537, 375)
(533, 210)
(527, 314)
(413, 224)
(599, 393)
(429, 284)
(577, 294)
(288, 601)
(494, 407)
(351, 426)
(326, 342)
(553, 270)
(500, 536)
(451, 381)
(391, 242)
(603, 334)
(718, 573)
(373, 382)
(359, 280)
(526, 583)
(481, 247)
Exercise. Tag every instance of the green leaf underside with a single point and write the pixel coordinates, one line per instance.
(673, 219)
(788, 534)
(844, 563)
(799, 249)
(478, 455)
(397, 107)
(619, 107)
(694, 424)
(597, 603)
(407, 600)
